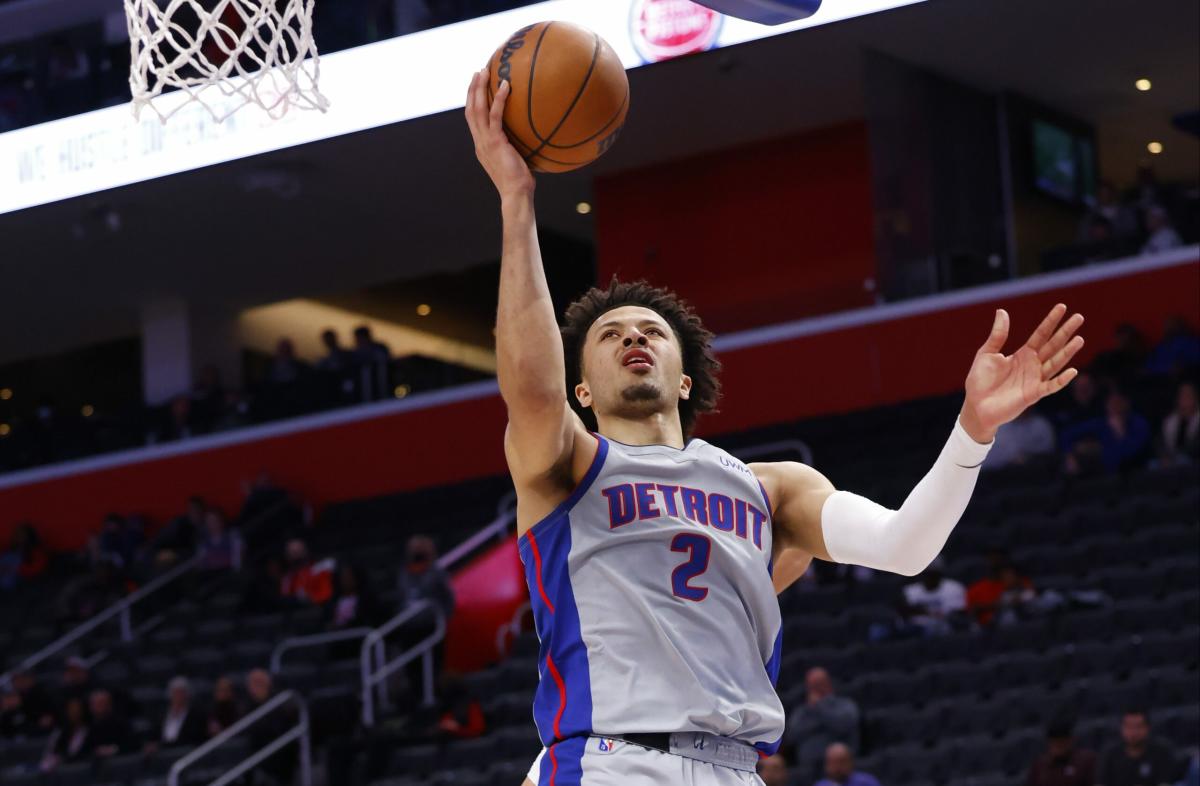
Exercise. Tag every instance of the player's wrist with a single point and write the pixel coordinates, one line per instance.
(516, 201)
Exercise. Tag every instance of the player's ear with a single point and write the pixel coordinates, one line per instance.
(583, 395)
(685, 387)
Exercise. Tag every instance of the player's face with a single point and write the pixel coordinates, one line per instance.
(632, 365)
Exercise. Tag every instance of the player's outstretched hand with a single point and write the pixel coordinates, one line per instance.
(1000, 387)
(499, 158)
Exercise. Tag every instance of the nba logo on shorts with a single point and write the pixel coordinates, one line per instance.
(663, 29)
(607, 744)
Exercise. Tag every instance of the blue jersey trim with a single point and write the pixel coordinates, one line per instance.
(565, 506)
(563, 763)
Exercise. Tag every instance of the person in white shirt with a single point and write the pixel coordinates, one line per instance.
(1162, 236)
(183, 723)
(935, 602)
(1029, 436)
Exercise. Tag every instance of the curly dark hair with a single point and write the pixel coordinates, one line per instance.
(699, 363)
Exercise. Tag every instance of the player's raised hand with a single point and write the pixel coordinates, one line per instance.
(1000, 387)
(499, 158)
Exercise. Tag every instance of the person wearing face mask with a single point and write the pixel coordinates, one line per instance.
(421, 580)
(1062, 763)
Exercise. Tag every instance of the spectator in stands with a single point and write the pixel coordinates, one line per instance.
(373, 359)
(88, 594)
(119, 541)
(1138, 759)
(1109, 208)
(999, 597)
(423, 580)
(1125, 361)
(355, 603)
(1161, 236)
(1123, 435)
(1062, 763)
(1026, 440)
(1180, 440)
(1081, 404)
(286, 368)
(225, 710)
(936, 604)
(281, 766)
(306, 581)
(221, 547)
(1178, 352)
(460, 713)
(176, 422)
(27, 709)
(76, 681)
(25, 559)
(839, 768)
(208, 399)
(111, 733)
(773, 770)
(268, 517)
(823, 719)
(178, 538)
(337, 359)
(183, 724)
(71, 740)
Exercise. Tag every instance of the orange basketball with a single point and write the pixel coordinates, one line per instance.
(569, 94)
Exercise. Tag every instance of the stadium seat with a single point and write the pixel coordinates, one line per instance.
(479, 753)
(415, 760)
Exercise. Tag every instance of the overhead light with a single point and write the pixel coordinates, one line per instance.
(5, 429)
(401, 391)
(88, 410)
(424, 310)
(5, 394)
(583, 208)
(1155, 148)
(1142, 84)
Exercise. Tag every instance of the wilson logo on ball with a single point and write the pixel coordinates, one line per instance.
(663, 29)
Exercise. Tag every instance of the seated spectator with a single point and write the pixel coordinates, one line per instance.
(28, 709)
(221, 547)
(1180, 440)
(839, 769)
(1023, 441)
(1161, 235)
(773, 770)
(183, 723)
(1177, 353)
(1125, 361)
(1108, 207)
(999, 597)
(70, 741)
(175, 421)
(823, 719)
(423, 580)
(282, 765)
(1062, 763)
(119, 540)
(305, 580)
(354, 602)
(1081, 403)
(1122, 435)
(178, 538)
(25, 559)
(225, 710)
(76, 681)
(935, 605)
(1138, 759)
(111, 734)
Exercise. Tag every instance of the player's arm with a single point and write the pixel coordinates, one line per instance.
(813, 519)
(530, 366)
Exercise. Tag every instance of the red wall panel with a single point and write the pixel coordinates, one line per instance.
(885, 356)
(761, 234)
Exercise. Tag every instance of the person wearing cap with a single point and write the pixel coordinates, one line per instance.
(183, 724)
(1062, 763)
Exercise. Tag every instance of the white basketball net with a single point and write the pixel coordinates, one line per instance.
(233, 53)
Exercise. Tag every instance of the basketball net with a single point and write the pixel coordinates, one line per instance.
(238, 53)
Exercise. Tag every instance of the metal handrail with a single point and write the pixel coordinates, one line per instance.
(372, 647)
(506, 515)
(120, 608)
(312, 640)
(299, 731)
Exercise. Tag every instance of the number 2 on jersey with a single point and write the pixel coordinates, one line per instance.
(697, 547)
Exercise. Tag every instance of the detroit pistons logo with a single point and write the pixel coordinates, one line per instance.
(663, 29)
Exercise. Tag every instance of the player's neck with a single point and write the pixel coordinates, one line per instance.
(658, 429)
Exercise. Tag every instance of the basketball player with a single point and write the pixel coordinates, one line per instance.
(653, 558)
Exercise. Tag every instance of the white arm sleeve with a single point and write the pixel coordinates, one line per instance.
(861, 532)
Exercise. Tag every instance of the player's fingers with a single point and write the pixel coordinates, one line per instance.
(496, 117)
(1045, 330)
(1061, 358)
(995, 340)
(469, 110)
(1052, 386)
(1061, 337)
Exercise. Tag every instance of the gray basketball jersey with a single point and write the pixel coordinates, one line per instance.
(652, 597)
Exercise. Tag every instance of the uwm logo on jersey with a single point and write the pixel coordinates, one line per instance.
(663, 29)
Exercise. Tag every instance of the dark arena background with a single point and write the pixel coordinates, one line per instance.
(255, 520)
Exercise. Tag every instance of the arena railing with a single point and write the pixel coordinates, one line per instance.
(121, 610)
(299, 732)
(374, 676)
